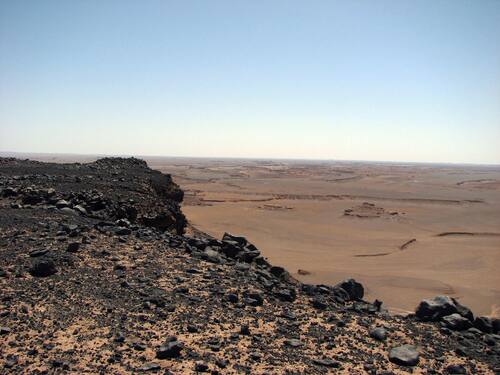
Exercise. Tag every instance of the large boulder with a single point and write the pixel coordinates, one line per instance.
(435, 308)
(354, 289)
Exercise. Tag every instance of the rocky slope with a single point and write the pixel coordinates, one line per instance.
(97, 275)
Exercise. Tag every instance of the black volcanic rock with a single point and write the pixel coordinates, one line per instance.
(463, 310)
(456, 322)
(170, 349)
(43, 267)
(354, 289)
(405, 355)
(241, 241)
(455, 370)
(435, 308)
(378, 333)
(73, 247)
(484, 324)
(326, 362)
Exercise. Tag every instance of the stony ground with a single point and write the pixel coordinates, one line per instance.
(97, 275)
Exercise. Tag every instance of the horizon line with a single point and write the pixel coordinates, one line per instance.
(247, 158)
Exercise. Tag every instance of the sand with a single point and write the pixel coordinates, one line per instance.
(406, 231)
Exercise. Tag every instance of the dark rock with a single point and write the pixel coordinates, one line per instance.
(120, 267)
(455, 370)
(288, 315)
(243, 267)
(463, 310)
(354, 289)
(170, 349)
(119, 338)
(62, 204)
(139, 346)
(73, 247)
(339, 294)
(484, 324)
(326, 362)
(149, 367)
(241, 241)
(319, 303)
(122, 231)
(43, 267)
(201, 367)
(191, 328)
(38, 253)
(68, 211)
(163, 221)
(9, 192)
(254, 298)
(80, 209)
(405, 355)
(294, 343)
(456, 322)
(32, 198)
(233, 298)
(230, 249)
(277, 271)
(287, 295)
(495, 325)
(245, 330)
(211, 255)
(491, 340)
(378, 333)
(434, 309)
(10, 361)
(248, 256)
(221, 363)
(256, 356)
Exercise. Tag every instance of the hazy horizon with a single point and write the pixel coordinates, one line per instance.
(68, 157)
(396, 81)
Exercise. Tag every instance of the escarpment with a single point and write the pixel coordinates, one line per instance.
(98, 275)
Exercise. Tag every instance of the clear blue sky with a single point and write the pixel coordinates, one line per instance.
(366, 80)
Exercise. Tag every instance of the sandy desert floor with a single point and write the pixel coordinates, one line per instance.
(406, 231)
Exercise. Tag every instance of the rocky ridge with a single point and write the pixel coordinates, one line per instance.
(98, 275)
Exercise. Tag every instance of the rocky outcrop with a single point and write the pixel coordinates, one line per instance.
(109, 189)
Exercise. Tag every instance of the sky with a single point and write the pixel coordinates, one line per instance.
(351, 80)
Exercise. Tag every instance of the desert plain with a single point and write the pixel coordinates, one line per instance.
(406, 231)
